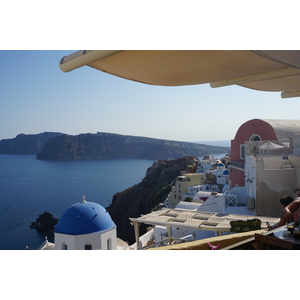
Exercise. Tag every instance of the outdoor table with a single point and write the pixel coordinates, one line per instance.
(277, 238)
(279, 234)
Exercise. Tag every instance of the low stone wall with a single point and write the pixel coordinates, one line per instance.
(224, 241)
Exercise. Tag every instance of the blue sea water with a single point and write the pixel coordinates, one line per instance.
(29, 187)
(222, 143)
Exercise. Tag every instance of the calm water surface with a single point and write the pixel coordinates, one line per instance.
(29, 187)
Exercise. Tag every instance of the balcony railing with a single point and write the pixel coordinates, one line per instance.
(230, 200)
(237, 164)
(264, 148)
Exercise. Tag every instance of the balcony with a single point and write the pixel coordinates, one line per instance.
(182, 179)
(237, 164)
(268, 148)
(230, 200)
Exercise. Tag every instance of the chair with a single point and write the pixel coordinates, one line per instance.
(273, 241)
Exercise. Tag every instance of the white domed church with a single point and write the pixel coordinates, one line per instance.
(84, 226)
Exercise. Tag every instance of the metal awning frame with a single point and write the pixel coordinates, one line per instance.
(197, 220)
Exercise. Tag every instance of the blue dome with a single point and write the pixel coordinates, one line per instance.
(84, 218)
(221, 165)
(225, 172)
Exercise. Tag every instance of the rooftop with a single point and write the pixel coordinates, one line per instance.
(84, 218)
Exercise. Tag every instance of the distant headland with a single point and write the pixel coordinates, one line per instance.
(26, 143)
(59, 146)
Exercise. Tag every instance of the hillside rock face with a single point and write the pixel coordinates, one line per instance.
(143, 197)
(44, 223)
(26, 143)
(108, 145)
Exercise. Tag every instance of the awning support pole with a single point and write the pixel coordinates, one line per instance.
(137, 234)
(169, 234)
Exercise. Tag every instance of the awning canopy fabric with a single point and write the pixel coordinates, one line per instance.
(271, 70)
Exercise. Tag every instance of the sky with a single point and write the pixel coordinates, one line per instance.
(36, 96)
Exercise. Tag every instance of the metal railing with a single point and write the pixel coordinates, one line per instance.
(161, 243)
(230, 200)
(237, 164)
(272, 147)
(165, 242)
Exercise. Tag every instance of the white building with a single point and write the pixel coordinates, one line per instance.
(221, 174)
(185, 185)
(207, 163)
(213, 165)
(84, 226)
(266, 163)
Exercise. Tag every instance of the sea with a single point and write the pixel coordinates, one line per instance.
(29, 187)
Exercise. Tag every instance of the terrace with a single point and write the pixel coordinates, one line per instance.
(265, 148)
(196, 220)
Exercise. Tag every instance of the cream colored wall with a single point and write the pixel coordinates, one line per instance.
(195, 179)
(295, 161)
(271, 185)
(272, 162)
(275, 162)
(171, 199)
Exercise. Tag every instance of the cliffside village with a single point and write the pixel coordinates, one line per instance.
(262, 166)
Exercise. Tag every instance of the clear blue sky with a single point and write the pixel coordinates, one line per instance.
(36, 96)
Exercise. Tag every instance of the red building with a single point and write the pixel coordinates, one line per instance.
(258, 130)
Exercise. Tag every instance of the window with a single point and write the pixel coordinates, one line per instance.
(255, 138)
(64, 246)
(242, 151)
(88, 246)
(109, 246)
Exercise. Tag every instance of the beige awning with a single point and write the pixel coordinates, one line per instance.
(271, 70)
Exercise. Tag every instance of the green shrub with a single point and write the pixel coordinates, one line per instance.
(188, 199)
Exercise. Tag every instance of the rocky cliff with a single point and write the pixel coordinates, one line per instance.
(108, 145)
(145, 196)
(44, 223)
(26, 143)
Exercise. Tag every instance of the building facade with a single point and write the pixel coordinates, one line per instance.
(265, 161)
(85, 226)
(183, 185)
